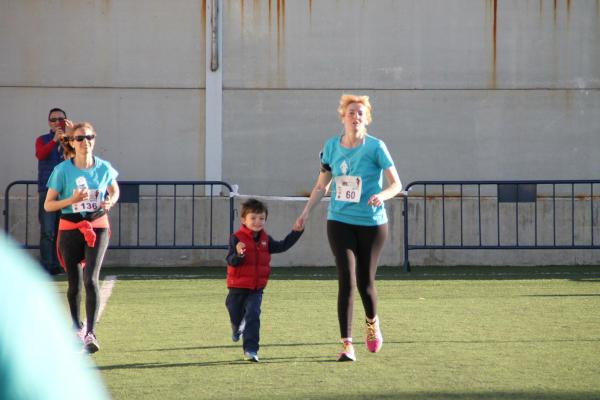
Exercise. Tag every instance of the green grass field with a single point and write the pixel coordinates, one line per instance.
(450, 333)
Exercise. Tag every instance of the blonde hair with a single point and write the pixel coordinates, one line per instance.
(67, 145)
(348, 99)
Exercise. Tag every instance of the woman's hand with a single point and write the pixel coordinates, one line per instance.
(317, 193)
(106, 203)
(299, 224)
(68, 126)
(375, 200)
(80, 195)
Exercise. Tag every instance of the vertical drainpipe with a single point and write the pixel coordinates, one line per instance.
(213, 151)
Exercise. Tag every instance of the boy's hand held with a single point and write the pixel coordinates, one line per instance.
(240, 248)
(299, 224)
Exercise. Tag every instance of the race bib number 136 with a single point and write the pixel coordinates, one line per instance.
(89, 205)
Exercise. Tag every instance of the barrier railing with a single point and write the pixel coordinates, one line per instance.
(501, 215)
(149, 215)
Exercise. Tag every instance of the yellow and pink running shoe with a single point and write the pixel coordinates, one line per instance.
(347, 353)
(374, 338)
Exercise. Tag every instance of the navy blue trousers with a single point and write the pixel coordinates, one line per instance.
(48, 230)
(244, 305)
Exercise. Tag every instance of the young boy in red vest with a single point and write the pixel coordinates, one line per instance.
(248, 269)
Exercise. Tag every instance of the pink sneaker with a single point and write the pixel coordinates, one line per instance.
(90, 343)
(80, 333)
(374, 339)
(347, 353)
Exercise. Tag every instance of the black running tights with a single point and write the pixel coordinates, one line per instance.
(73, 249)
(356, 250)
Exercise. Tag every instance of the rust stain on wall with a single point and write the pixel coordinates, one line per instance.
(275, 12)
(280, 22)
(270, 16)
(280, 39)
(242, 15)
(256, 11)
(106, 7)
(492, 82)
(203, 19)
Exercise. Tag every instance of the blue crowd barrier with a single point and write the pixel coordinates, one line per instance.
(500, 215)
(148, 215)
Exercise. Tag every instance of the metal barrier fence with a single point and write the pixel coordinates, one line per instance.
(501, 215)
(148, 215)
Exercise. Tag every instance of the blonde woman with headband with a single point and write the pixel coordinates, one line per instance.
(353, 165)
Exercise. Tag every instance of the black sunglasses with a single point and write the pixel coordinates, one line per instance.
(56, 119)
(81, 138)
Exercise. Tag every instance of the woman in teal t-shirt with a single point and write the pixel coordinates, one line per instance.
(84, 188)
(354, 164)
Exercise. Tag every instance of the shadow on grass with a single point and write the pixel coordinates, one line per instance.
(488, 395)
(577, 273)
(563, 295)
(237, 345)
(271, 360)
(387, 342)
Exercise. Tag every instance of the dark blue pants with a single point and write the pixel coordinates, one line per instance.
(48, 229)
(244, 305)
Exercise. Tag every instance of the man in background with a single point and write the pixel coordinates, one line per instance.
(49, 153)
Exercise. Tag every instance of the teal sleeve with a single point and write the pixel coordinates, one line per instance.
(55, 182)
(384, 159)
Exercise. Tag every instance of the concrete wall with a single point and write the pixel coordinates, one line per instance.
(461, 89)
(134, 69)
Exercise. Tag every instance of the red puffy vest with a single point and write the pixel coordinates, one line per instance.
(254, 270)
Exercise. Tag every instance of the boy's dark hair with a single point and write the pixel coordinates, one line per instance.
(254, 206)
(56, 109)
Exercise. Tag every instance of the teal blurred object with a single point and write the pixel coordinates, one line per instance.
(39, 355)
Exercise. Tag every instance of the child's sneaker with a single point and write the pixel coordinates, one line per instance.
(251, 356)
(374, 339)
(347, 353)
(237, 331)
(90, 343)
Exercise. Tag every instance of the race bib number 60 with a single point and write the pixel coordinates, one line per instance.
(348, 188)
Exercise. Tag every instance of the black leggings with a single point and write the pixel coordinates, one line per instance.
(356, 250)
(73, 249)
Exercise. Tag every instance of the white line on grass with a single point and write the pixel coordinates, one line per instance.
(105, 292)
